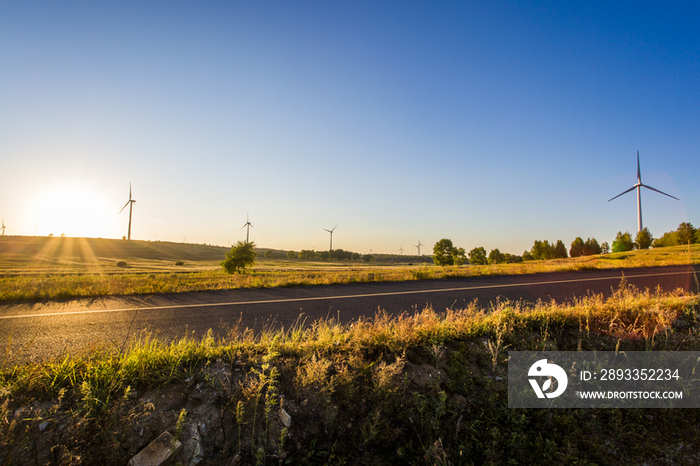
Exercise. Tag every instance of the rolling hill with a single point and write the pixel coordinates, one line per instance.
(38, 249)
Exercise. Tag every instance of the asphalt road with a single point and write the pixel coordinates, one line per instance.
(38, 331)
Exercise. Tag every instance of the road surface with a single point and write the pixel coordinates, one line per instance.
(38, 331)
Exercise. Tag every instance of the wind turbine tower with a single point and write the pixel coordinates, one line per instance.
(638, 186)
(419, 245)
(3, 227)
(331, 232)
(248, 225)
(129, 203)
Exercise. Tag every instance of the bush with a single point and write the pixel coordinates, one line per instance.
(623, 242)
(121, 264)
(179, 263)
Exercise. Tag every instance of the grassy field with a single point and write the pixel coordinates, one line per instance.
(429, 388)
(40, 268)
(417, 389)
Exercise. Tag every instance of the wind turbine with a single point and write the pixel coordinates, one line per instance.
(331, 232)
(419, 245)
(3, 227)
(638, 186)
(129, 203)
(401, 249)
(247, 224)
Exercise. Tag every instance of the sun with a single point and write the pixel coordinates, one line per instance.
(73, 210)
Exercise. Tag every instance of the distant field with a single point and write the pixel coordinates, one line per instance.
(41, 268)
(23, 254)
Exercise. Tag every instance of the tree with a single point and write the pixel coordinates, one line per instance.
(604, 248)
(686, 233)
(307, 254)
(527, 256)
(477, 256)
(540, 250)
(268, 254)
(511, 258)
(291, 255)
(543, 250)
(559, 251)
(496, 257)
(577, 247)
(442, 252)
(669, 238)
(623, 242)
(643, 239)
(592, 247)
(241, 255)
(459, 256)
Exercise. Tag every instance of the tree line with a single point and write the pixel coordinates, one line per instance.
(242, 254)
(445, 253)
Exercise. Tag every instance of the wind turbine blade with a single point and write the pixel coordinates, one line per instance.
(127, 203)
(631, 189)
(244, 226)
(334, 228)
(639, 172)
(660, 192)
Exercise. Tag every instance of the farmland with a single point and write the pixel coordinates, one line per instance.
(41, 268)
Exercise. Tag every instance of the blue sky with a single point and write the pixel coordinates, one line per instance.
(493, 124)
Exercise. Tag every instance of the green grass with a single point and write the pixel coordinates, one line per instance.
(62, 268)
(429, 388)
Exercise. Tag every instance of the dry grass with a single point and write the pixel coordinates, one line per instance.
(350, 392)
(147, 276)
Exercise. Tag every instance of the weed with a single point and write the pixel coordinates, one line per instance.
(362, 406)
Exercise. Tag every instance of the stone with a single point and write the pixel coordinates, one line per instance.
(285, 418)
(192, 450)
(159, 452)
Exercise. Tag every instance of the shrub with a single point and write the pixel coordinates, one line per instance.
(623, 242)
(121, 264)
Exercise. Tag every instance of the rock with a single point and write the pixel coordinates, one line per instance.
(189, 381)
(285, 418)
(424, 375)
(44, 425)
(192, 450)
(159, 452)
